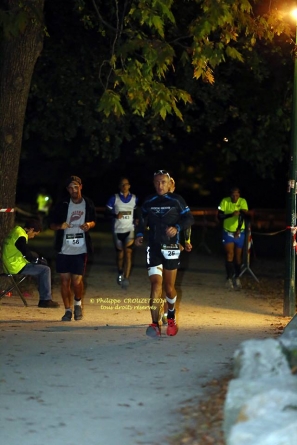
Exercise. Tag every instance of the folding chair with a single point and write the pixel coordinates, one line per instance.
(14, 281)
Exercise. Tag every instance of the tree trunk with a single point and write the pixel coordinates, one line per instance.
(20, 46)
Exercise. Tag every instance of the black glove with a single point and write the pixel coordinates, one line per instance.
(32, 256)
(40, 260)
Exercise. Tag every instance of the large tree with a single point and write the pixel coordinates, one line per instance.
(20, 45)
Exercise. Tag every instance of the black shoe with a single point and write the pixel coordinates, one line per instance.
(67, 316)
(48, 303)
(125, 283)
(120, 278)
(78, 312)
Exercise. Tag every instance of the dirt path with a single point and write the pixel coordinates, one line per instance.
(101, 380)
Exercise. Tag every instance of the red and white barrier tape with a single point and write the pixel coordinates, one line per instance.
(4, 210)
(250, 242)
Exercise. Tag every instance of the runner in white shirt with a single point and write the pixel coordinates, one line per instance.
(121, 207)
(72, 219)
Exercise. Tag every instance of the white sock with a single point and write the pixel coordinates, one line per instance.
(77, 302)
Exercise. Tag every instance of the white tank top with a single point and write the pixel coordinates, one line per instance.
(124, 224)
(74, 238)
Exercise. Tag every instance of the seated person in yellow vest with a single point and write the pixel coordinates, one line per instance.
(19, 259)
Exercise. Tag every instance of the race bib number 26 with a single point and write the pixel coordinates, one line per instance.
(170, 252)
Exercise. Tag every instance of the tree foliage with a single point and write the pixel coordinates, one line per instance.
(111, 72)
(151, 37)
(145, 75)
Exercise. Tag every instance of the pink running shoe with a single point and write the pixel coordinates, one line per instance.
(172, 327)
(153, 330)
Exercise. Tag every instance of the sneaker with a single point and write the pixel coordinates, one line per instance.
(237, 284)
(120, 279)
(125, 283)
(78, 312)
(164, 319)
(153, 330)
(67, 316)
(48, 304)
(229, 284)
(172, 327)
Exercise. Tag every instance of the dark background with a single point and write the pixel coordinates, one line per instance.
(249, 102)
(259, 192)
